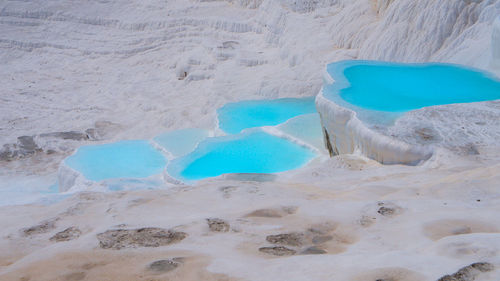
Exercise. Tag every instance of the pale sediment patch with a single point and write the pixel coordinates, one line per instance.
(449, 227)
(389, 274)
(117, 265)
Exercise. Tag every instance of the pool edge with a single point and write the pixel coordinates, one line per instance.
(344, 133)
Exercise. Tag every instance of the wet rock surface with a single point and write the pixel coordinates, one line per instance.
(25, 147)
(70, 135)
(290, 239)
(386, 211)
(27, 143)
(273, 212)
(163, 266)
(320, 239)
(68, 234)
(43, 227)
(29, 146)
(469, 273)
(278, 251)
(218, 225)
(142, 237)
(313, 251)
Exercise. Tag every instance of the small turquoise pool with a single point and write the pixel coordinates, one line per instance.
(235, 117)
(396, 87)
(181, 142)
(124, 159)
(249, 152)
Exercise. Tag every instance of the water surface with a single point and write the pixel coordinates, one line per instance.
(124, 159)
(250, 152)
(235, 117)
(396, 87)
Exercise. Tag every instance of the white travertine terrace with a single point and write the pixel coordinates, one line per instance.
(495, 44)
(131, 69)
(401, 138)
(344, 133)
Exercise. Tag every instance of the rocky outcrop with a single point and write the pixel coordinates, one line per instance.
(290, 239)
(163, 266)
(42, 227)
(218, 225)
(278, 251)
(68, 234)
(469, 273)
(25, 147)
(142, 237)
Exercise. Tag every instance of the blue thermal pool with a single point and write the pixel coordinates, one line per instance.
(396, 87)
(249, 152)
(235, 117)
(195, 155)
(124, 159)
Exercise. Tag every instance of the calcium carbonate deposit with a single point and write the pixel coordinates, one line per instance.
(196, 140)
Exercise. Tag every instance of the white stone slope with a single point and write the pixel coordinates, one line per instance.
(119, 67)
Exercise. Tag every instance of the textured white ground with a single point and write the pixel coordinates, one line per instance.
(133, 69)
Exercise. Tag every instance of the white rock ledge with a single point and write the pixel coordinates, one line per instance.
(68, 178)
(344, 133)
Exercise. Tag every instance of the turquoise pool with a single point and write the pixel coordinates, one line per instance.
(235, 117)
(397, 87)
(124, 159)
(249, 152)
(181, 142)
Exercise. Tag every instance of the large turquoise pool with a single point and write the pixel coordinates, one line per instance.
(396, 87)
(249, 152)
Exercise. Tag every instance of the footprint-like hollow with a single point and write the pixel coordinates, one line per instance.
(389, 274)
(448, 227)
